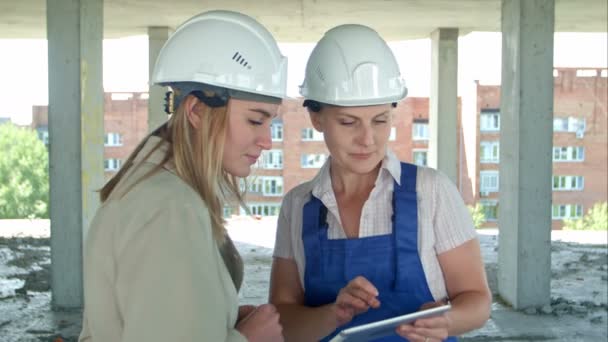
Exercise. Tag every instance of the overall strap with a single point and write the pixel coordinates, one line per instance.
(405, 227)
(405, 215)
(314, 216)
(408, 178)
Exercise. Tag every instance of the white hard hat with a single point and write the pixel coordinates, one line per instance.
(352, 66)
(223, 49)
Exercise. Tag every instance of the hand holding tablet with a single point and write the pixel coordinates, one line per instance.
(374, 330)
(358, 296)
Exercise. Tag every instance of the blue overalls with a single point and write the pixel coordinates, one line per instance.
(391, 262)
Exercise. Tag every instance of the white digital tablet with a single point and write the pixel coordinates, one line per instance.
(386, 327)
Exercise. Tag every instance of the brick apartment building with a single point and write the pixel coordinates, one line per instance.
(579, 153)
(125, 122)
(580, 150)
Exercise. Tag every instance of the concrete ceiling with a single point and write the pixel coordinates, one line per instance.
(306, 20)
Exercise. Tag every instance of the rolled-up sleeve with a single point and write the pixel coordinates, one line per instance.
(452, 220)
(283, 246)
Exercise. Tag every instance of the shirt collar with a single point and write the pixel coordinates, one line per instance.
(322, 181)
(392, 165)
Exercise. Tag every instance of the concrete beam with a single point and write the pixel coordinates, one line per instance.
(443, 106)
(526, 135)
(74, 29)
(157, 36)
(305, 21)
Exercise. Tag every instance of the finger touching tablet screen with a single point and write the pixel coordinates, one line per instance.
(386, 327)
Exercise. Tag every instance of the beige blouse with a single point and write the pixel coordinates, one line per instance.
(152, 270)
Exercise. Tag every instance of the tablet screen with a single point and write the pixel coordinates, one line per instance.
(386, 327)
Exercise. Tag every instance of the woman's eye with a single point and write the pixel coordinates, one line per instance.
(380, 121)
(255, 122)
(346, 123)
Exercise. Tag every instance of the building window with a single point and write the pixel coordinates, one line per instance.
(43, 135)
(393, 135)
(419, 157)
(312, 161)
(586, 73)
(489, 151)
(566, 211)
(420, 130)
(568, 182)
(489, 121)
(311, 134)
(227, 212)
(263, 209)
(276, 130)
(560, 124)
(490, 210)
(569, 153)
(267, 186)
(569, 124)
(488, 181)
(113, 139)
(271, 159)
(112, 164)
(121, 96)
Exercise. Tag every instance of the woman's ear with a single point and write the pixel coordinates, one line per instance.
(192, 109)
(315, 118)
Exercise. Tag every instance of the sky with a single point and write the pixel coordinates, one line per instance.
(24, 70)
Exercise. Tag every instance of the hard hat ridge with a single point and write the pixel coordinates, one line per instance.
(242, 57)
(352, 66)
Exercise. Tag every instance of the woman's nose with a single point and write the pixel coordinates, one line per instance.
(366, 136)
(264, 140)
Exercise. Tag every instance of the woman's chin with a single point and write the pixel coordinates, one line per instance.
(363, 166)
(240, 172)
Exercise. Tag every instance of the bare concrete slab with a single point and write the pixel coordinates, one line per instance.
(579, 286)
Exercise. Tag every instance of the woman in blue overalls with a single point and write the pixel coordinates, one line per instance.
(370, 237)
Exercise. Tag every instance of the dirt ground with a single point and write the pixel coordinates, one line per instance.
(578, 309)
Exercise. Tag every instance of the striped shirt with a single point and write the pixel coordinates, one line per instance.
(444, 221)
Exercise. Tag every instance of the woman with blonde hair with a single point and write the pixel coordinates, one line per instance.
(158, 264)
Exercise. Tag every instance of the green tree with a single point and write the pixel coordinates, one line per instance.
(24, 175)
(595, 219)
(478, 215)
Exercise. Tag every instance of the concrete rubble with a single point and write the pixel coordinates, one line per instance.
(578, 310)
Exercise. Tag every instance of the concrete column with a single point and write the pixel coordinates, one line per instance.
(157, 36)
(75, 33)
(526, 134)
(443, 106)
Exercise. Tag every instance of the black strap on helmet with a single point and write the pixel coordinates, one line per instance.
(213, 101)
(312, 105)
(315, 106)
(218, 96)
(212, 96)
